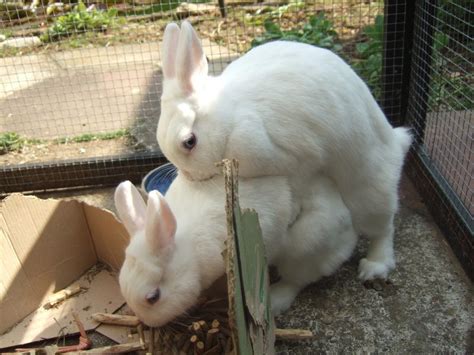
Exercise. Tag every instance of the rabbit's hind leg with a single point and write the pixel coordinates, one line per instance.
(380, 258)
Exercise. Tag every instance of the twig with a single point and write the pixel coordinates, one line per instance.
(116, 319)
(141, 333)
(293, 334)
(152, 340)
(62, 295)
(117, 349)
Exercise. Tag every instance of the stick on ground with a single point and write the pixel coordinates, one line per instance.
(62, 295)
(116, 319)
(293, 334)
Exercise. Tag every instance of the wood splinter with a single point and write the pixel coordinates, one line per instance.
(116, 319)
(293, 334)
(117, 349)
(62, 295)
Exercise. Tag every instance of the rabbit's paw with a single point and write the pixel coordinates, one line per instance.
(282, 295)
(369, 269)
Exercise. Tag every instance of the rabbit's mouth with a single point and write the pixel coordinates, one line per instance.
(197, 176)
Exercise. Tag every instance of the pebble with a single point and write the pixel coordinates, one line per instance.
(2, 38)
(21, 42)
(329, 333)
(326, 319)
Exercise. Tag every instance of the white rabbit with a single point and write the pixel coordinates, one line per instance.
(287, 109)
(176, 244)
(319, 241)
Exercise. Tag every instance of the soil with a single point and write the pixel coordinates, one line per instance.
(47, 152)
(242, 24)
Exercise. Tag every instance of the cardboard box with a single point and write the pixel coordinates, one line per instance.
(45, 246)
(48, 245)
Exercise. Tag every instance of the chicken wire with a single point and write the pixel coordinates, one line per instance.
(441, 112)
(83, 93)
(80, 94)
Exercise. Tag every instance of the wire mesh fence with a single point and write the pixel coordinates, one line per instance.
(81, 80)
(441, 112)
(80, 83)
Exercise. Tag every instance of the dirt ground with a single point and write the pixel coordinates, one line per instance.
(243, 23)
(43, 152)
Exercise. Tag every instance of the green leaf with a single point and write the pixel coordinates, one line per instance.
(80, 7)
(272, 28)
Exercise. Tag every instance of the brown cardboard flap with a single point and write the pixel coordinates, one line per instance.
(109, 236)
(50, 241)
(101, 293)
(14, 285)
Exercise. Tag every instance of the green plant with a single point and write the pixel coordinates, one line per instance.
(270, 12)
(89, 137)
(451, 90)
(450, 86)
(7, 33)
(80, 20)
(368, 63)
(319, 31)
(10, 141)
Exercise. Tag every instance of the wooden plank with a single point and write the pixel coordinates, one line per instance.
(247, 275)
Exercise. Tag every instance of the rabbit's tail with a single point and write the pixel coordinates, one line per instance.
(404, 138)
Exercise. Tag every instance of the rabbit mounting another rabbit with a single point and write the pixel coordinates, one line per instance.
(285, 109)
(175, 251)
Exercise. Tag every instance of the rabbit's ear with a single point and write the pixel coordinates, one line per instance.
(169, 49)
(191, 63)
(130, 207)
(160, 222)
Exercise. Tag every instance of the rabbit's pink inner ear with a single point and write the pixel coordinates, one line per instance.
(169, 49)
(160, 222)
(191, 63)
(130, 207)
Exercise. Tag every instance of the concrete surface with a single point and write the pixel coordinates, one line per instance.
(88, 90)
(426, 307)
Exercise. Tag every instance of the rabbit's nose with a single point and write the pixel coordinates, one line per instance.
(153, 296)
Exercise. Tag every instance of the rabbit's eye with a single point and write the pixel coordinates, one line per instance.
(153, 296)
(190, 142)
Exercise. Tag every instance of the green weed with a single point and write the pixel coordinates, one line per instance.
(9, 142)
(450, 86)
(7, 33)
(89, 137)
(80, 20)
(368, 63)
(161, 7)
(269, 12)
(13, 142)
(319, 31)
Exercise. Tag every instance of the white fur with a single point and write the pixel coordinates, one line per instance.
(287, 109)
(319, 241)
(304, 239)
(180, 252)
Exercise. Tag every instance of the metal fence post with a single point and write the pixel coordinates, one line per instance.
(422, 62)
(396, 66)
(222, 8)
